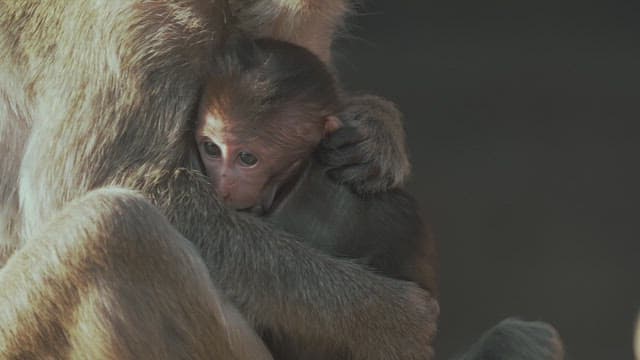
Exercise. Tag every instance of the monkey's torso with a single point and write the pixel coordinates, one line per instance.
(383, 230)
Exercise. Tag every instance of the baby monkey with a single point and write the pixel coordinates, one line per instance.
(269, 105)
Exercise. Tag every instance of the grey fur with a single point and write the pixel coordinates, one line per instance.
(514, 339)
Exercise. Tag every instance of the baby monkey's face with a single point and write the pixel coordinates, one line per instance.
(250, 174)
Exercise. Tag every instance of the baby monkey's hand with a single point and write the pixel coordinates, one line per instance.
(369, 153)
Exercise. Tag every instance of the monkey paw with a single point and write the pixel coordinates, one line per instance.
(517, 339)
(369, 152)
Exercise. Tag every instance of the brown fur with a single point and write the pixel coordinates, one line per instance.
(102, 93)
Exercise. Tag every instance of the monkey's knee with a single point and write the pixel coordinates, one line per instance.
(111, 227)
(134, 287)
(518, 340)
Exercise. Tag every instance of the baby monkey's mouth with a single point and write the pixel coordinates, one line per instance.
(278, 195)
(269, 201)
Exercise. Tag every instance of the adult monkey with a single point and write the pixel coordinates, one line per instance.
(98, 94)
(101, 93)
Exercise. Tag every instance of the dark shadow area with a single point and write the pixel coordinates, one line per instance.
(520, 118)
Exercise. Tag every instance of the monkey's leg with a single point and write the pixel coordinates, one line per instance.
(109, 278)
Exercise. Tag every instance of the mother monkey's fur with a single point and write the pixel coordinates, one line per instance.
(98, 197)
(97, 94)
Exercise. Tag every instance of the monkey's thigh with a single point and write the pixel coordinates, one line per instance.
(109, 277)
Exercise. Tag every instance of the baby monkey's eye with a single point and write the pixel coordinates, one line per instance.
(211, 149)
(247, 159)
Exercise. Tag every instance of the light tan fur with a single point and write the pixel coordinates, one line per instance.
(102, 93)
(103, 277)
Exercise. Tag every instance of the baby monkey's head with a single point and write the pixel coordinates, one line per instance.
(266, 107)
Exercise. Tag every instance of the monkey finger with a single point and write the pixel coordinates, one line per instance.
(354, 173)
(344, 136)
(518, 339)
(364, 178)
(346, 156)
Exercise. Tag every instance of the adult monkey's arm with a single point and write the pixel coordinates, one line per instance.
(280, 284)
(105, 93)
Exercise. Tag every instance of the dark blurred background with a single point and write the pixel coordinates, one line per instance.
(520, 117)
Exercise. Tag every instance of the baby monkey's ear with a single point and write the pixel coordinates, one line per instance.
(331, 124)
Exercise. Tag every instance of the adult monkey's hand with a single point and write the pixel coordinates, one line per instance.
(369, 153)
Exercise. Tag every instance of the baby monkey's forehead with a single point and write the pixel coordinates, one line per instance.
(224, 129)
(213, 123)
